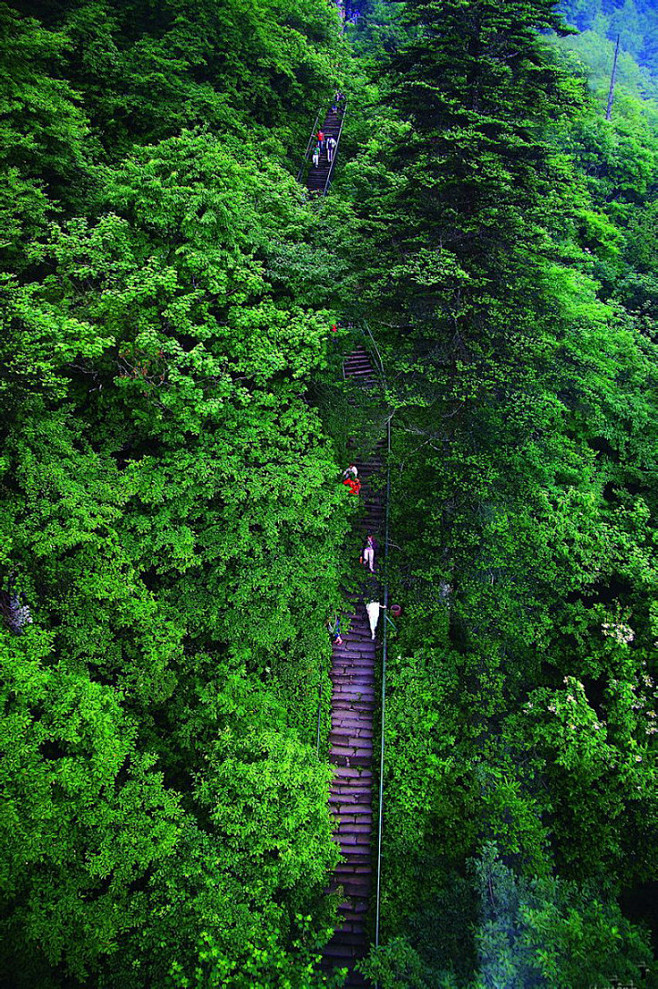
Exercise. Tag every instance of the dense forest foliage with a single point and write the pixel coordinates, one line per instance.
(173, 425)
(515, 285)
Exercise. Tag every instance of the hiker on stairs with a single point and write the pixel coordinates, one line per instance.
(373, 608)
(367, 557)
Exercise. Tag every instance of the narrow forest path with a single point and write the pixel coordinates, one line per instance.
(351, 738)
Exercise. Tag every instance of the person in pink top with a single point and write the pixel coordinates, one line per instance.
(367, 557)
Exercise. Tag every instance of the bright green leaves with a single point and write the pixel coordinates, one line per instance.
(85, 812)
(43, 133)
(262, 797)
(169, 506)
(39, 340)
(233, 907)
(600, 769)
(43, 128)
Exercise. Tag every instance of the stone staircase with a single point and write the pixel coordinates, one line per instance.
(318, 177)
(352, 705)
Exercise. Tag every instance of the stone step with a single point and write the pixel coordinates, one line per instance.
(360, 851)
(356, 887)
(341, 715)
(349, 667)
(355, 834)
(362, 810)
(358, 858)
(353, 801)
(349, 693)
(339, 953)
(352, 774)
(363, 682)
(330, 962)
(353, 927)
(349, 937)
(357, 843)
(349, 870)
(341, 696)
(352, 921)
(358, 729)
(339, 784)
(350, 799)
(352, 729)
(355, 653)
(346, 739)
(353, 675)
(355, 910)
(356, 650)
(341, 705)
(351, 759)
(345, 742)
(356, 703)
(358, 664)
(363, 751)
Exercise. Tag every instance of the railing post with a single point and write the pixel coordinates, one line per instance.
(319, 714)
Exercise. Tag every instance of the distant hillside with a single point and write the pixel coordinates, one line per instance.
(635, 21)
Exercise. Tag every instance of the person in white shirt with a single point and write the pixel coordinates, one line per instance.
(373, 608)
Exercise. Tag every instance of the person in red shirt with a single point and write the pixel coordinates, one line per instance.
(321, 140)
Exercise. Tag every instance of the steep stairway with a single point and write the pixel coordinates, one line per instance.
(318, 177)
(352, 706)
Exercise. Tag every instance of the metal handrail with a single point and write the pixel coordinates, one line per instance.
(376, 349)
(384, 655)
(314, 131)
